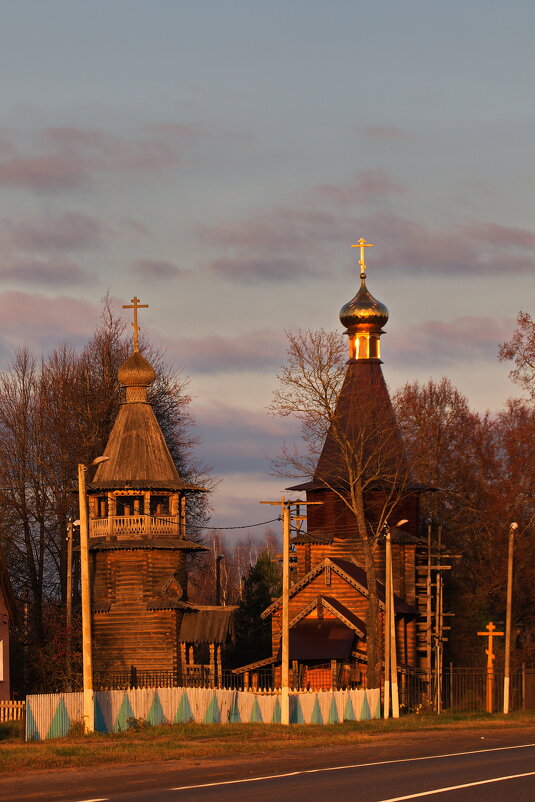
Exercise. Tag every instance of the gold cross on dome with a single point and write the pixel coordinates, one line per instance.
(362, 244)
(135, 305)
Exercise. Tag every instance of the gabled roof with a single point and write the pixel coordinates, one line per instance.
(355, 576)
(320, 639)
(338, 609)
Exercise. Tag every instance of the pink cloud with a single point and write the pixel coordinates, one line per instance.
(367, 185)
(436, 343)
(155, 269)
(49, 172)
(37, 271)
(263, 269)
(68, 232)
(64, 158)
(37, 318)
(241, 440)
(257, 350)
(472, 248)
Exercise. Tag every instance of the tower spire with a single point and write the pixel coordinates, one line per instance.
(135, 305)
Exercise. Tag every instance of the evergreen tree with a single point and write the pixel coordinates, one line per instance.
(253, 634)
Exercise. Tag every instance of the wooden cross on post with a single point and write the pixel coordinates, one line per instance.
(135, 305)
(362, 244)
(490, 633)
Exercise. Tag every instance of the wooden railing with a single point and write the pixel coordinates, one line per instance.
(133, 525)
(12, 711)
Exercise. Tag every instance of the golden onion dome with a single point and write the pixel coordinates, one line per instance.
(364, 309)
(136, 371)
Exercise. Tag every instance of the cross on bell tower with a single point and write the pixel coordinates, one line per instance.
(135, 305)
(362, 244)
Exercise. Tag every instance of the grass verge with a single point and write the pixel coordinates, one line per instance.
(146, 744)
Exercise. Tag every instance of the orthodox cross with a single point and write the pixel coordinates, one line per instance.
(362, 244)
(490, 634)
(135, 305)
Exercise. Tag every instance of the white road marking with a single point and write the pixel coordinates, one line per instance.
(343, 768)
(456, 787)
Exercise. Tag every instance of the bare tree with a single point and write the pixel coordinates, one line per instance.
(350, 445)
(521, 350)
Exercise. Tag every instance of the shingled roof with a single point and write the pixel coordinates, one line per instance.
(138, 456)
(365, 423)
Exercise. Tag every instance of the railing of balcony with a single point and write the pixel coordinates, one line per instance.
(134, 525)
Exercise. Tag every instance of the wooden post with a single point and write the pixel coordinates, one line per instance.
(285, 628)
(68, 611)
(507, 664)
(183, 517)
(428, 615)
(285, 646)
(219, 667)
(490, 633)
(212, 665)
(182, 662)
(387, 634)
(89, 710)
(334, 675)
(393, 651)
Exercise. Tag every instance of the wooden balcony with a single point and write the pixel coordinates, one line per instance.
(131, 526)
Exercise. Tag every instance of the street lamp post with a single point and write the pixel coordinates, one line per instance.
(391, 663)
(507, 665)
(87, 662)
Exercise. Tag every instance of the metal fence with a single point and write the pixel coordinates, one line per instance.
(464, 690)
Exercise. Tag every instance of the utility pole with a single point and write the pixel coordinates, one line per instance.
(68, 612)
(89, 709)
(87, 658)
(218, 578)
(507, 665)
(387, 635)
(285, 628)
(428, 613)
(391, 662)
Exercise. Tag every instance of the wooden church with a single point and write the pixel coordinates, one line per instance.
(142, 620)
(329, 597)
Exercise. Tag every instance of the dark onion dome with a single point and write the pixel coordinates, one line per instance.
(364, 309)
(136, 371)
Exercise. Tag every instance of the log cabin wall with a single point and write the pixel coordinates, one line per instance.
(125, 632)
(131, 635)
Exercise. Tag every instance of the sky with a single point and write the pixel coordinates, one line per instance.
(218, 159)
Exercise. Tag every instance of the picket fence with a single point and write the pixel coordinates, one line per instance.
(11, 711)
(54, 715)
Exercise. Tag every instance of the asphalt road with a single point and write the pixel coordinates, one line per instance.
(448, 766)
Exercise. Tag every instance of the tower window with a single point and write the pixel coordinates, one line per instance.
(129, 505)
(159, 505)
